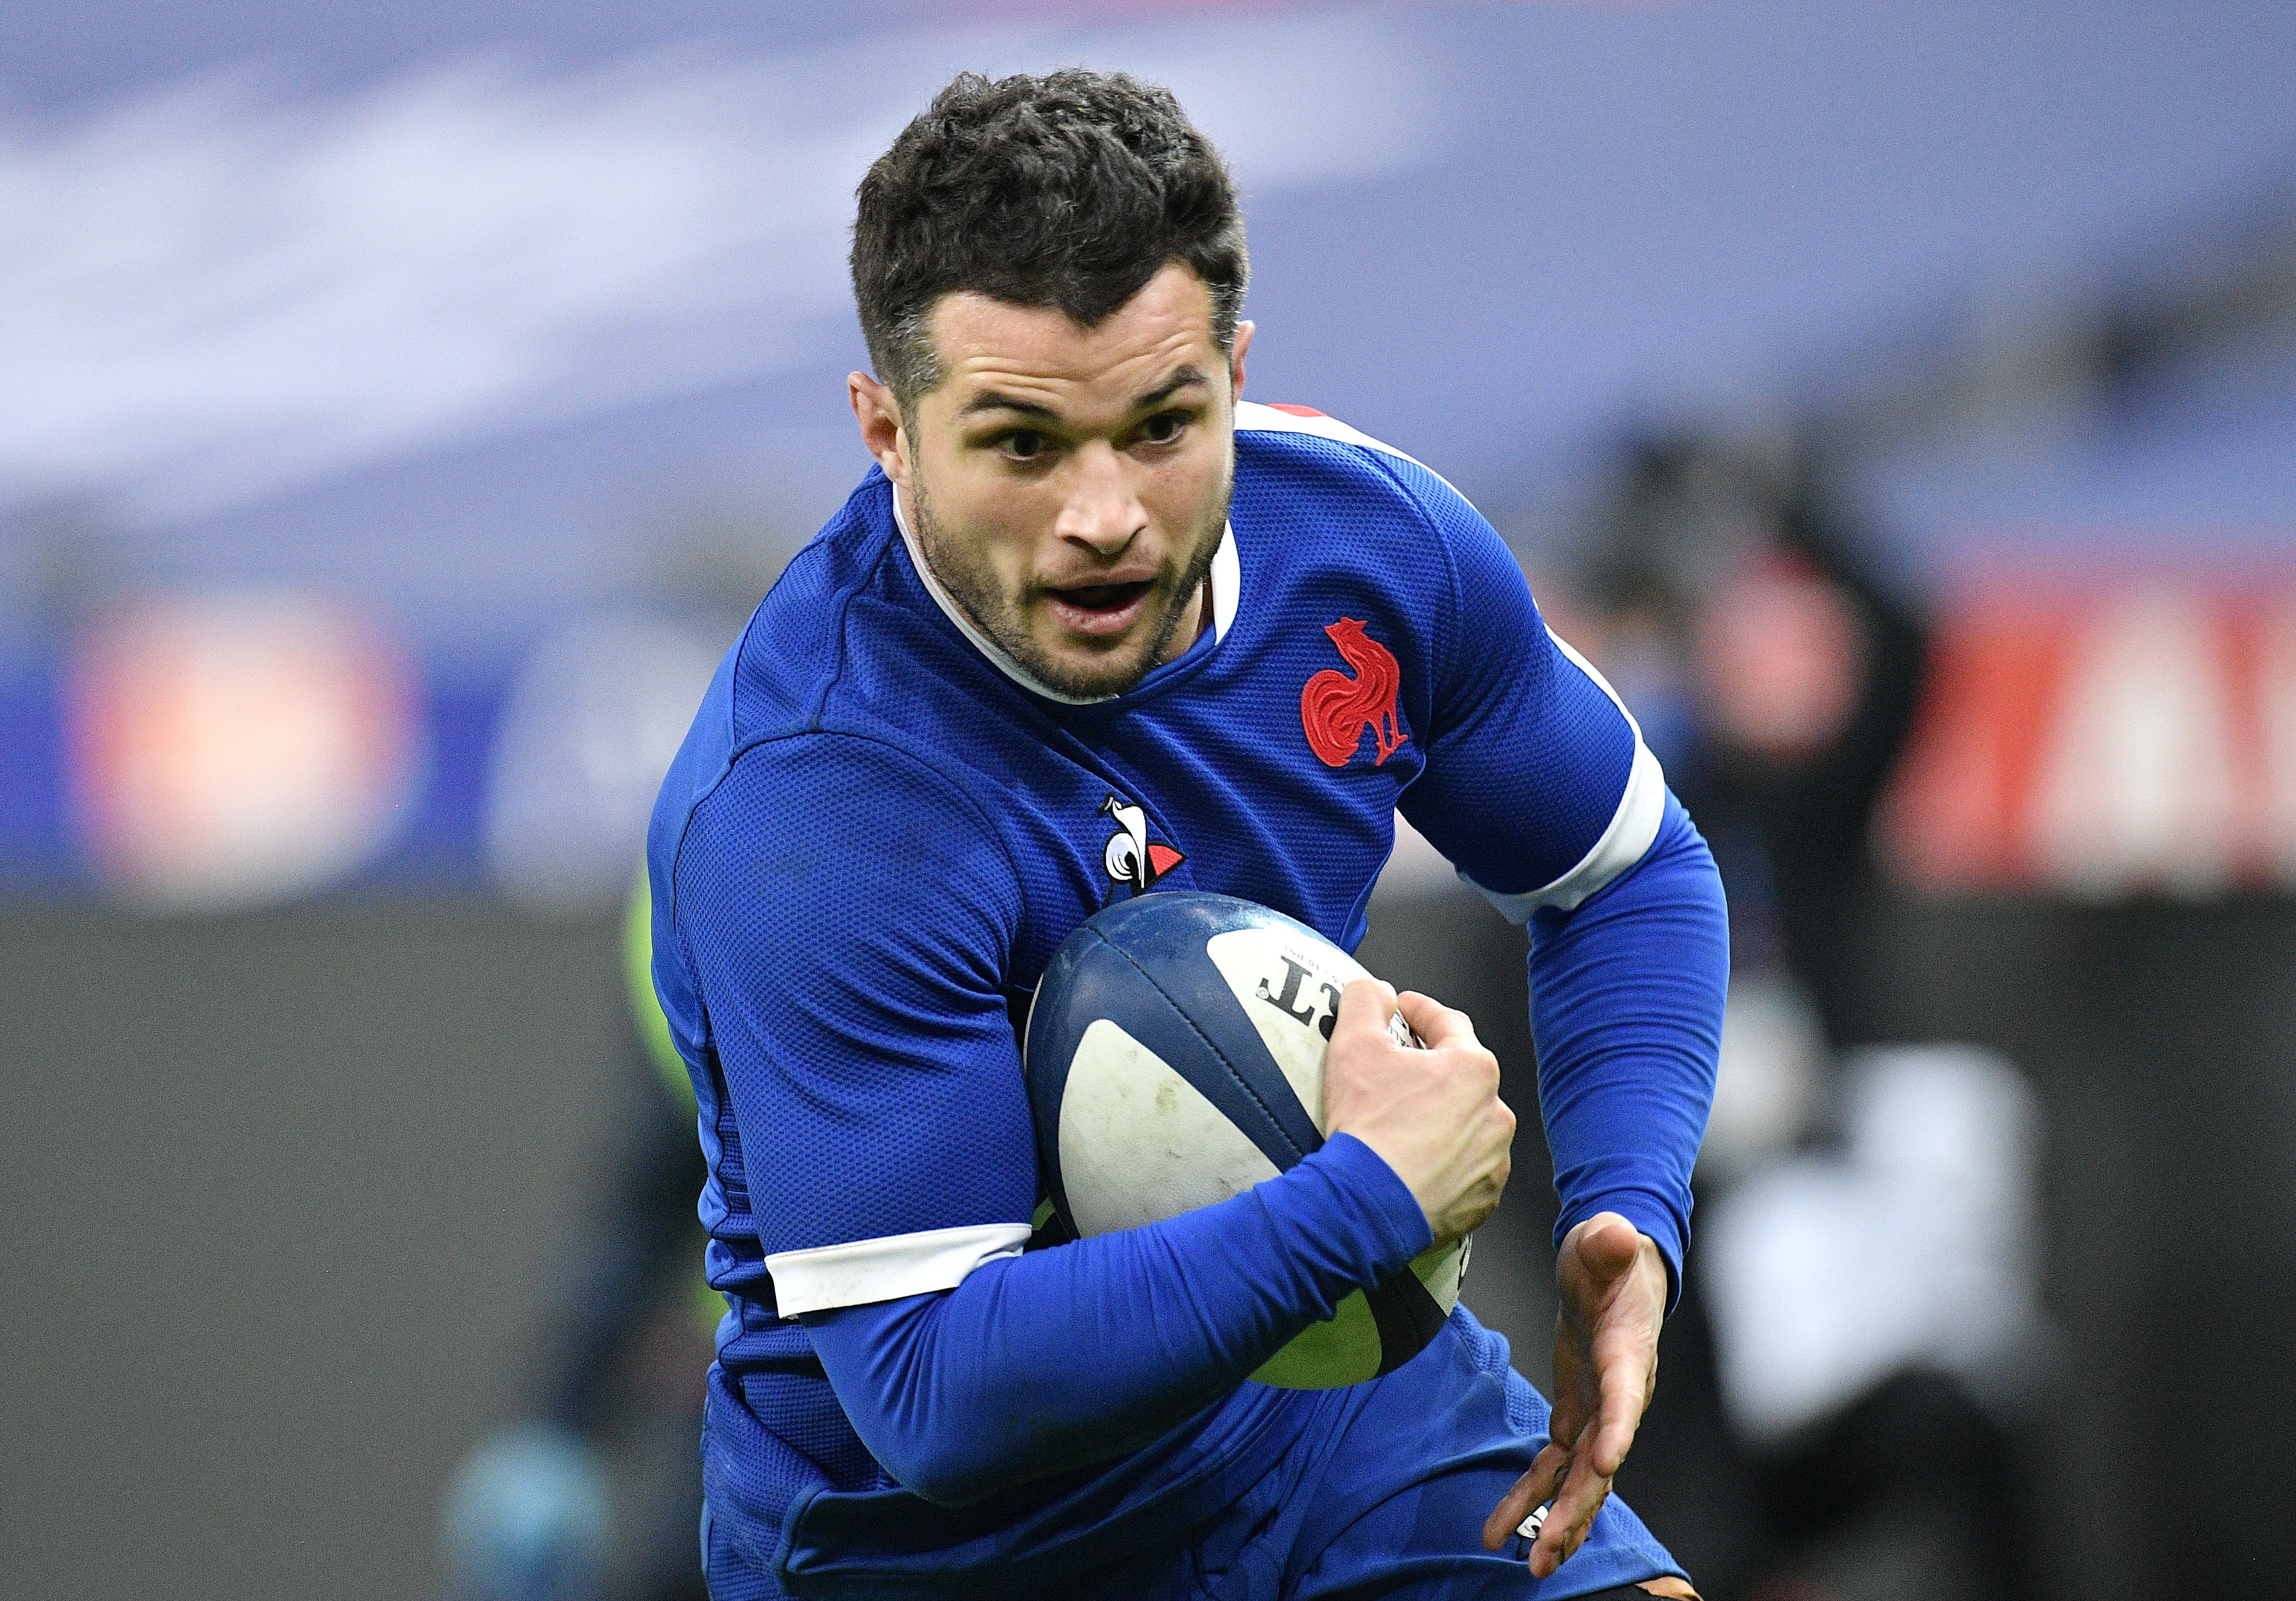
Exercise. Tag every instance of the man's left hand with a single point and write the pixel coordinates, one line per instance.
(1611, 1284)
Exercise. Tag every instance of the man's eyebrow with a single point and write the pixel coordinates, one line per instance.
(992, 400)
(1172, 386)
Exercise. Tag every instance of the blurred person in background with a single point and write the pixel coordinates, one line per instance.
(1777, 673)
(598, 1490)
(1813, 1431)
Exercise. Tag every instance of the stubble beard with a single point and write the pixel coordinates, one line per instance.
(974, 587)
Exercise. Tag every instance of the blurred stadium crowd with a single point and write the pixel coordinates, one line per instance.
(405, 408)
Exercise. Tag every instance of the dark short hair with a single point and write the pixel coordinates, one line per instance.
(1070, 190)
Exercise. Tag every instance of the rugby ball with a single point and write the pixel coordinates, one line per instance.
(1175, 1058)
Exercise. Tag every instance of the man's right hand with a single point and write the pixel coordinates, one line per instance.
(1433, 1115)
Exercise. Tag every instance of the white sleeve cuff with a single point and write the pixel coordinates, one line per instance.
(862, 1271)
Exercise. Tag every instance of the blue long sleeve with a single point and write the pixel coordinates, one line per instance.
(1051, 1359)
(1627, 1009)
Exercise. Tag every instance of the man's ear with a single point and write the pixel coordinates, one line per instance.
(1235, 361)
(879, 414)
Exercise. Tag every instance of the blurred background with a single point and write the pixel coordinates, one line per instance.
(402, 405)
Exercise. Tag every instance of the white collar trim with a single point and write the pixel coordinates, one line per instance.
(1225, 580)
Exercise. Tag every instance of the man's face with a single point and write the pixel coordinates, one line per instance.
(1069, 486)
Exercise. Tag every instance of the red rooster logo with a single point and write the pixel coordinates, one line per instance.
(1335, 709)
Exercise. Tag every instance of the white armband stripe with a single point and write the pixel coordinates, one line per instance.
(862, 1271)
(1633, 826)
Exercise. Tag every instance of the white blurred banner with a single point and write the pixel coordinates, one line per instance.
(219, 292)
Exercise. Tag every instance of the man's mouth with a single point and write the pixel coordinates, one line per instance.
(1100, 609)
(1104, 597)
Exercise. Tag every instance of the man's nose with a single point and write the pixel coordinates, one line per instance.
(1102, 509)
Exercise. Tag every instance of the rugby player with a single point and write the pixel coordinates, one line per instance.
(1086, 587)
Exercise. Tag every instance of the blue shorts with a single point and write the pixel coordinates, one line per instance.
(1382, 1495)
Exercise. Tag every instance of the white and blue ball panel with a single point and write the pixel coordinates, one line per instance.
(1175, 1059)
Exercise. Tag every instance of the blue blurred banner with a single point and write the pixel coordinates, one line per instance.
(505, 354)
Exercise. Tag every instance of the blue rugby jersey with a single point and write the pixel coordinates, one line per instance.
(879, 831)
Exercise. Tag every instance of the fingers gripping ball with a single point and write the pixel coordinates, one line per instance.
(1174, 1056)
